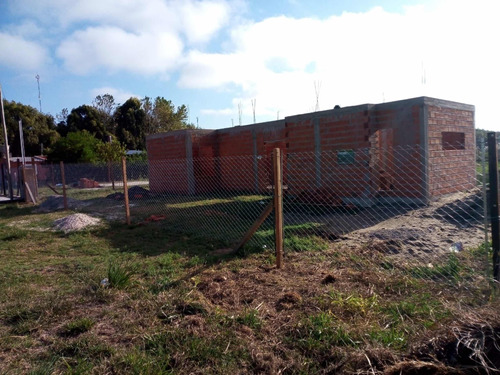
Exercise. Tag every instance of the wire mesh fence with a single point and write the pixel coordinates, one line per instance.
(394, 211)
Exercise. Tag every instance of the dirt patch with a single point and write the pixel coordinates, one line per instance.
(56, 203)
(75, 222)
(427, 233)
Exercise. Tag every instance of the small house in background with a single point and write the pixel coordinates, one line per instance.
(410, 150)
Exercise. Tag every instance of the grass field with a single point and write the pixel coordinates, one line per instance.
(156, 298)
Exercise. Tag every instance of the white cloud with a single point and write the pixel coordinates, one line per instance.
(201, 20)
(21, 54)
(358, 57)
(114, 49)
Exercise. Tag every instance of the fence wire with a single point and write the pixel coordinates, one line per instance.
(397, 210)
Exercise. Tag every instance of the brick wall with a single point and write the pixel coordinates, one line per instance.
(167, 162)
(392, 150)
(451, 169)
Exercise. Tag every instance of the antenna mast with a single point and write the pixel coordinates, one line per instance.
(39, 96)
(254, 103)
(239, 112)
(317, 89)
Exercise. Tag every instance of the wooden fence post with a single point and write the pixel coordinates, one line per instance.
(278, 207)
(125, 189)
(494, 208)
(63, 178)
(25, 183)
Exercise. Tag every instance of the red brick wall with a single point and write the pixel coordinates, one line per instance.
(388, 140)
(167, 162)
(450, 170)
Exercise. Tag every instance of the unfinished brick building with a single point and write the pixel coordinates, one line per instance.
(410, 150)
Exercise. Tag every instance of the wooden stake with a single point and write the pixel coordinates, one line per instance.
(63, 178)
(125, 189)
(494, 203)
(255, 226)
(278, 207)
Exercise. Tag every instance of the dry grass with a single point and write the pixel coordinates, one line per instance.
(186, 308)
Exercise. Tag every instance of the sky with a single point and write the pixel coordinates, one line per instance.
(229, 59)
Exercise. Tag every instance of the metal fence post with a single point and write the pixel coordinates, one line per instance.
(125, 189)
(63, 180)
(494, 200)
(278, 207)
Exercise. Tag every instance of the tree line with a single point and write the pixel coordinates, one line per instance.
(89, 133)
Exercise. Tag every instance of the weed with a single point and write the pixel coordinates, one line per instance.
(23, 320)
(118, 275)
(222, 351)
(304, 243)
(320, 332)
(84, 347)
(250, 318)
(353, 303)
(45, 367)
(77, 327)
(450, 270)
(389, 337)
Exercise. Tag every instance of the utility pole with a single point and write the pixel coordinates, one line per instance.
(6, 142)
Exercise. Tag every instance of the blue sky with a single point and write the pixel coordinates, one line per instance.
(219, 55)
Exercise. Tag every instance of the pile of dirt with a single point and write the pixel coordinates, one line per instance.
(56, 203)
(75, 222)
(135, 192)
(429, 231)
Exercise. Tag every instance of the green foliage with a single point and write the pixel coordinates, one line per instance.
(76, 147)
(87, 118)
(38, 129)
(130, 124)
(110, 151)
(162, 116)
(105, 106)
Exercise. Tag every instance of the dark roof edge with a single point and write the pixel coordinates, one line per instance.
(180, 131)
(425, 100)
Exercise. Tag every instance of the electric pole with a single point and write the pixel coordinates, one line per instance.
(6, 142)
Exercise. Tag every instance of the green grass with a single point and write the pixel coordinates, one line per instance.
(451, 270)
(321, 331)
(77, 327)
(174, 307)
(118, 275)
(250, 318)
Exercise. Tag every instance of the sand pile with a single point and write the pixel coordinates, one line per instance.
(75, 222)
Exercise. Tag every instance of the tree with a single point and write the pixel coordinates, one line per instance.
(38, 129)
(62, 122)
(161, 116)
(110, 151)
(87, 118)
(105, 105)
(130, 124)
(76, 147)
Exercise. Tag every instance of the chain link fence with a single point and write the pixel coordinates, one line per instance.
(391, 210)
